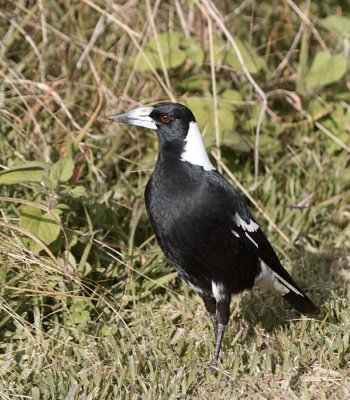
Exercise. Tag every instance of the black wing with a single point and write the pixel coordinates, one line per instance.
(245, 228)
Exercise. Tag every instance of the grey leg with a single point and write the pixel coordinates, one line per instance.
(223, 315)
(218, 342)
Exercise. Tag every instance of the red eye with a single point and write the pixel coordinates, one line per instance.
(165, 118)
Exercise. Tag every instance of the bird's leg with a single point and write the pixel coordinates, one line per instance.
(218, 341)
(210, 305)
(214, 321)
(223, 315)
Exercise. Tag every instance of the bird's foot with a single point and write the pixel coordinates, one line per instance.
(213, 367)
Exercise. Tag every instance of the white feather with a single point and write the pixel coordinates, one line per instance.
(195, 152)
(218, 290)
(250, 227)
(269, 279)
(252, 240)
(235, 233)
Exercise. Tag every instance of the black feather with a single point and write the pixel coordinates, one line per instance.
(303, 304)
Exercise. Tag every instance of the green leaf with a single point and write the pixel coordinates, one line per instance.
(167, 40)
(24, 173)
(337, 24)
(252, 60)
(226, 119)
(219, 49)
(43, 225)
(81, 318)
(194, 83)
(316, 108)
(62, 170)
(325, 69)
(231, 95)
(78, 191)
(170, 45)
(174, 59)
(29, 165)
(193, 51)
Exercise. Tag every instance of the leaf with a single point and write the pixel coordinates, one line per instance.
(219, 50)
(193, 51)
(337, 24)
(325, 69)
(231, 95)
(252, 60)
(316, 108)
(174, 59)
(167, 40)
(62, 170)
(24, 173)
(193, 83)
(30, 164)
(170, 45)
(226, 119)
(78, 191)
(43, 225)
(80, 318)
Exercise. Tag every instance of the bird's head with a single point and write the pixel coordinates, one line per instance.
(176, 128)
(170, 120)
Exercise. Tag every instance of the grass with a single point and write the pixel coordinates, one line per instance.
(97, 313)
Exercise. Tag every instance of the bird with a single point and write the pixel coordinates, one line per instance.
(202, 225)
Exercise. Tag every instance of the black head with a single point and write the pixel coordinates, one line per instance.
(171, 120)
(177, 129)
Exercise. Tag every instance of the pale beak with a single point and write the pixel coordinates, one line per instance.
(139, 116)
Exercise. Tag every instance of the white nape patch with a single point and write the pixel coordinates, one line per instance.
(218, 290)
(251, 227)
(235, 233)
(252, 240)
(195, 152)
(269, 279)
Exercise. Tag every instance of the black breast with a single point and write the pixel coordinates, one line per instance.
(191, 219)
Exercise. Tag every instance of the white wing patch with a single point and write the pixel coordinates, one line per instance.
(218, 290)
(252, 240)
(251, 227)
(194, 151)
(269, 279)
(235, 233)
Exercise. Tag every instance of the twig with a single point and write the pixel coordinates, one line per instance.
(133, 36)
(159, 47)
(287, 57)
(320, 126)
(209, 8)
(215, 97)
(306, 19)
(32, 44)
(99, 28)
(182, 19)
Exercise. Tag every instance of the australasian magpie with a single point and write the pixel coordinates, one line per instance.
(202, 225)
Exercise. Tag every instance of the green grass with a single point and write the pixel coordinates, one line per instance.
(89, 309)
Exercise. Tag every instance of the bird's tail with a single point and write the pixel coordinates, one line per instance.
(301, 303)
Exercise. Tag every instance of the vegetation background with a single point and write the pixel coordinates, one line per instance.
(89, 308)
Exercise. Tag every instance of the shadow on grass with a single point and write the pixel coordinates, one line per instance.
(321, 280)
